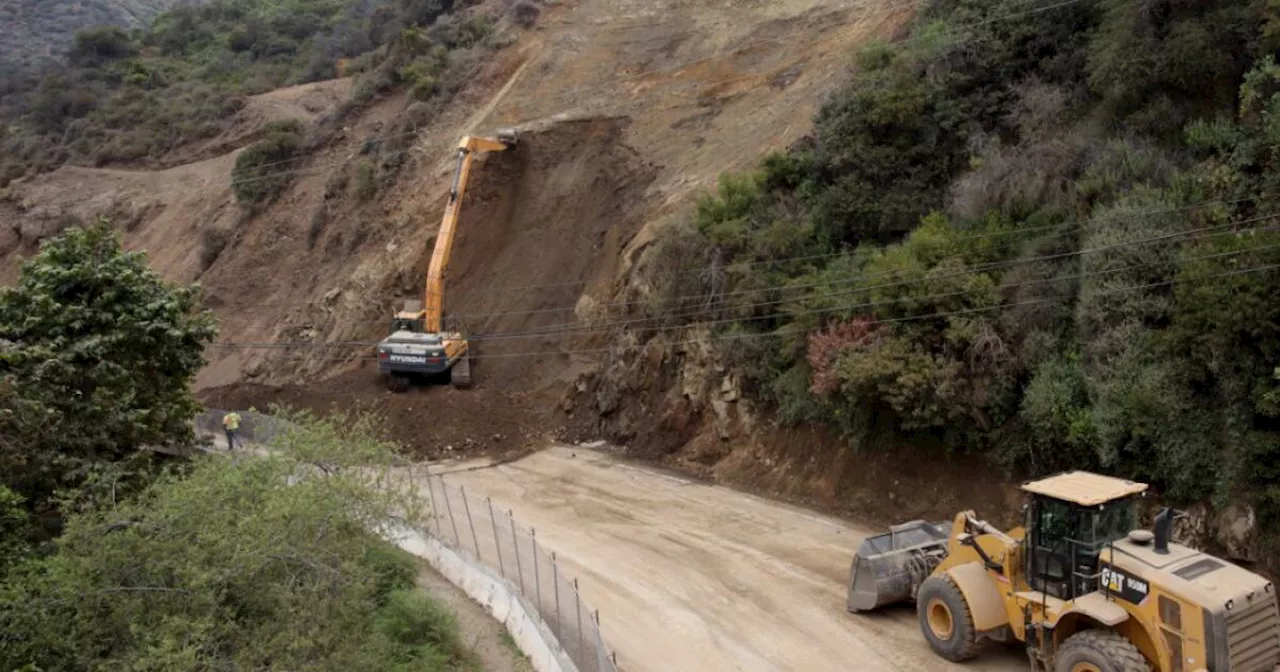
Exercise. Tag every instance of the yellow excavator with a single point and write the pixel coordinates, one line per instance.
(420, 345)
(1078, 584)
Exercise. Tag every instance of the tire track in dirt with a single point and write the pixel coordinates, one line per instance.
(697, 577)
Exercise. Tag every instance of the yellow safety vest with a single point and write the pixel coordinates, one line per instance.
(231, 421)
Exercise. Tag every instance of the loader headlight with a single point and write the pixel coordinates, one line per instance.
(1230, 604)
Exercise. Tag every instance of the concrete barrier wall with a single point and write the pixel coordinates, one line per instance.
(498, 597)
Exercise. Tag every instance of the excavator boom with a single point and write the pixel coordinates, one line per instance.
(467, 148)
(418, 344)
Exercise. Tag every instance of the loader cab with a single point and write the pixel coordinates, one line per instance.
(1070, 519)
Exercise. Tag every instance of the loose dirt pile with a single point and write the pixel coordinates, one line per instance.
(432, 422)
(541, 226)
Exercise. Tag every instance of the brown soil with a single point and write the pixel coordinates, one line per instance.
(625, 111)
(541, 226)
(303, 102)
(480, 632)
(432, 422)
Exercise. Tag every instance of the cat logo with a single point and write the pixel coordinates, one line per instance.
(1122, 584)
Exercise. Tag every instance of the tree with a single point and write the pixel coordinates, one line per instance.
(267, 562)
(99, 45)
(97, 352)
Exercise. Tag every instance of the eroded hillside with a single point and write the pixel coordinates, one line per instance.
(625, 111)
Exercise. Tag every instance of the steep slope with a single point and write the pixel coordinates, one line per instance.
(41, 30)
(625, 112)
(685, 103)
(164, 212)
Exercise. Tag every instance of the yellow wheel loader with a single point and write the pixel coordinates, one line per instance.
(1076, 583)
(419, 344)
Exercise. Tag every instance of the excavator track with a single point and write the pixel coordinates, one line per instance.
(460, 375)
(425, 320)
(397, 383)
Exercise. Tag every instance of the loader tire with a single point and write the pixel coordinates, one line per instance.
(945, 619)
(1099, 651)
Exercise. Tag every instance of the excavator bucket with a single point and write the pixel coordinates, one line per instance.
(507, 136)
(889, 567)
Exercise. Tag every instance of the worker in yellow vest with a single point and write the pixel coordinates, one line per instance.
(230, 423)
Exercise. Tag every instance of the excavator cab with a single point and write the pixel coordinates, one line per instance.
(409, 324)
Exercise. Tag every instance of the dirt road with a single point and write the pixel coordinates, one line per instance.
(700, 578)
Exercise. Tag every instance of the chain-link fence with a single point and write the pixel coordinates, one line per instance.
(489, 536)
(492, 537)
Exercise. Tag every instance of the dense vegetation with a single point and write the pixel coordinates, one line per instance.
(222, 565)
(1044, 235)
(40, 31)
(115, 557)
(137, 97)
(97, 353)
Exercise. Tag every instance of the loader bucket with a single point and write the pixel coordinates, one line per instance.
(882, 571)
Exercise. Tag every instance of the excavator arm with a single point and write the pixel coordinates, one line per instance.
(467, 148)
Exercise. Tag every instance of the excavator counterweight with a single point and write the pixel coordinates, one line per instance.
(420, 345)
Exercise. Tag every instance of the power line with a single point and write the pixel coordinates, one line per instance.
(586, 330)
(568, 327)
(1067, 228)
(870, 304)
(910, 318)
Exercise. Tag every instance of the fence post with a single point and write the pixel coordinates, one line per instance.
(471, 522)
(601, 656)
(555, 585)
(435, 508)
(511, 515)
(577, 601)
(537, 577)
(444, 488)
(493, 520)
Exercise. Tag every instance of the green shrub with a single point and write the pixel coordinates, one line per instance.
(525, 14)
(267, 564)
(424, 633)
(263, 169)
(135, 98)
(366, 181)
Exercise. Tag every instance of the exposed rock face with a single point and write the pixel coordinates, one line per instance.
(1235, 530)
(1231, 532)
(659, 395)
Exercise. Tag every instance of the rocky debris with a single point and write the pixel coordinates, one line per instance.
(1235, 531)
(1230, 532)
(1191, 528)
(331, 297)
(588, 310)
(729, 390)
(10, 239)
(607, 396)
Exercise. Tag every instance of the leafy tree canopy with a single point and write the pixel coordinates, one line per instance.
(264, 562)
(97, 353)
